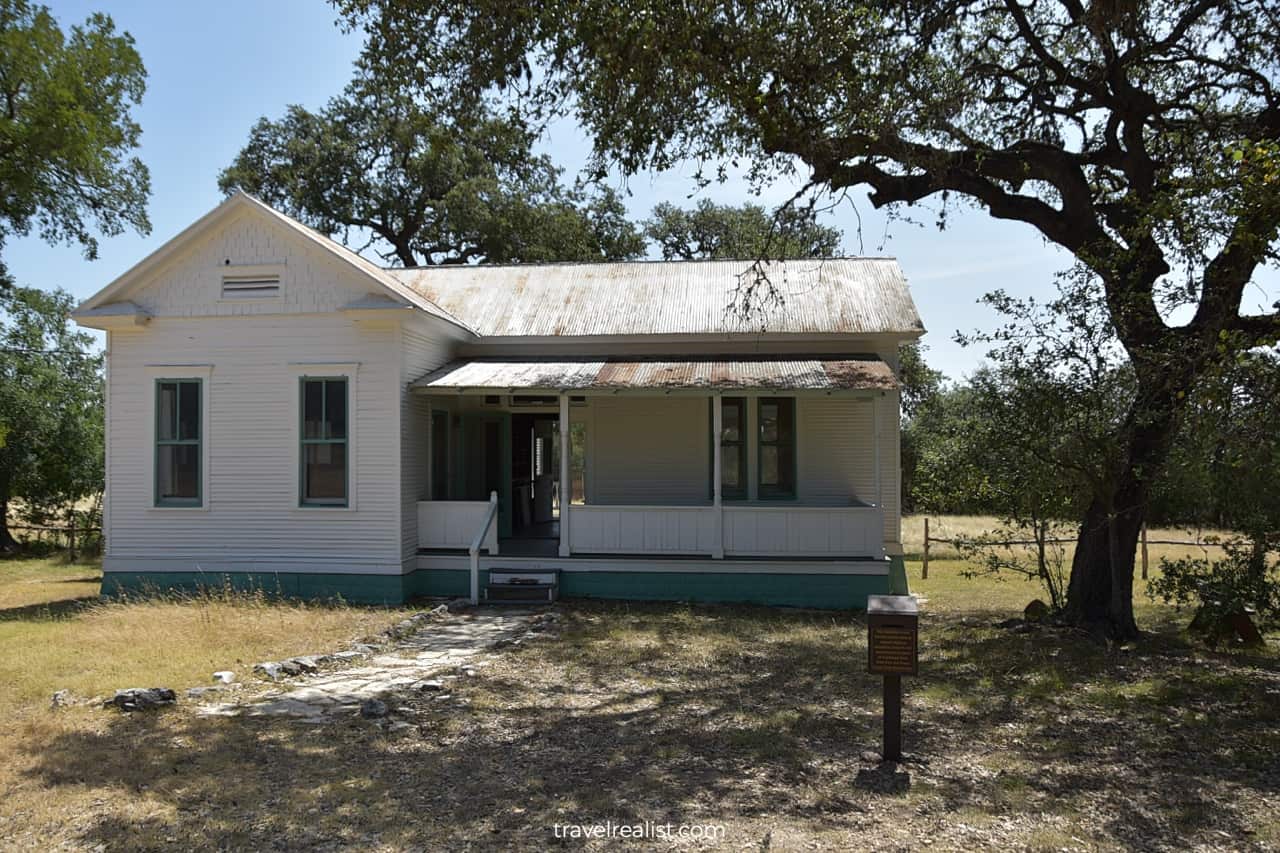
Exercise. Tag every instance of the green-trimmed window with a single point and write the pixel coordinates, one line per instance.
(733, 448)
(777, 419)
(179, 451)
(324, 452)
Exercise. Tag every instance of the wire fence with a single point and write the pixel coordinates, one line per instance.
(1143, 543)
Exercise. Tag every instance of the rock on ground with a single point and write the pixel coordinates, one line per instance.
(142, 698)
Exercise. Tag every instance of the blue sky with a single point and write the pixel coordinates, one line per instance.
(215, 68)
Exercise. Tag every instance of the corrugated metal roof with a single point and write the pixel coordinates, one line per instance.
(807, 373)
(837, 296)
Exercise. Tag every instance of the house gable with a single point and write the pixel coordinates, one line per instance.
(244, 258)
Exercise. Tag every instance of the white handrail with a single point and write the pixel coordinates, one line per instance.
(474, 550)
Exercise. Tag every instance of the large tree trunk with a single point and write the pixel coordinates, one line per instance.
(1100, 594)
(7, 543)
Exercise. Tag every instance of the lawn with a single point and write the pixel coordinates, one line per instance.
(753, 719)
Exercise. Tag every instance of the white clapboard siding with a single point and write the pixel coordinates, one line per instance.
(836, 451)
(651, 451)
(642, 530)
(453, 524)
(421, 351)
(252, 511)
(758, 531)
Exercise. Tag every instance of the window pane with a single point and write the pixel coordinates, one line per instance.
(324, 472)
(731, 421)
(786, 470)
(335, 408)
(178, 472)
(731, 468)
(769, 465)
(166, 410)
(312, 409)
(786, 420)
(188, 411)
(768, 421)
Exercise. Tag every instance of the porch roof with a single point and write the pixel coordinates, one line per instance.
(799, 373)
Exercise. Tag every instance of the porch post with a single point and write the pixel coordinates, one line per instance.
(566, 484)
(717, 427)
(431, 454)
(875, 430)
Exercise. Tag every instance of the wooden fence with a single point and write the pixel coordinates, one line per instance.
(924, 569)
(70, 531)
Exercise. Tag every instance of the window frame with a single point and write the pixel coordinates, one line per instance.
(304, 442)
(157, 502)
(743, 492)
(766, 492)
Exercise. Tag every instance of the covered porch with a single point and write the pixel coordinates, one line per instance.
(757, 460)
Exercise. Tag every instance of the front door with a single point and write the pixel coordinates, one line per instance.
(545, 469)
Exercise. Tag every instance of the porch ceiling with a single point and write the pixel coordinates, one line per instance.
(802, 373)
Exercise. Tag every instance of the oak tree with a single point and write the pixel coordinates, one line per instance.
(1141, 136)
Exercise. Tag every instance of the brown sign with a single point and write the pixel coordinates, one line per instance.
(892, 635)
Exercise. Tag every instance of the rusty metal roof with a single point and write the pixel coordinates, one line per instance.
(836, 296)
(807, 373)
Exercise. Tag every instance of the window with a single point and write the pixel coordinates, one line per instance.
(733, 448)
(324, 442)
(439, 456)
(777, 447)
(178, 442)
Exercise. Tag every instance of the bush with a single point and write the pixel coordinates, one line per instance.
(1241, 583)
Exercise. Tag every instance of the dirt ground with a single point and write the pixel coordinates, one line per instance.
(747, 726)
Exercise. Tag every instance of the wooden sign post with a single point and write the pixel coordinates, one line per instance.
(893, 633)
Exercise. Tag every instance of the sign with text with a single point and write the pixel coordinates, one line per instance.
(893, 628)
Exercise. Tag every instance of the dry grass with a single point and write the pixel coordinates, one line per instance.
(55, 634)
(753, 718)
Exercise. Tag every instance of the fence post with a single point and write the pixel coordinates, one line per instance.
(924, 569)
(71, 538)
(1144, 550)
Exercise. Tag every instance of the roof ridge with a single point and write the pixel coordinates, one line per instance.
(636, 262)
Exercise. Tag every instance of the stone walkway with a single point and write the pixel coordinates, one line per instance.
(412, 663)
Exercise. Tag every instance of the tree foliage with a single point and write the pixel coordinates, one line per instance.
(428, 183)
(67, 130)
(51, 406)
(713, 231)
(1144, 138)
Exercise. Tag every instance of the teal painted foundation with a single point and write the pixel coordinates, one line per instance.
(826, 591)
(898, 576)
(358, 589)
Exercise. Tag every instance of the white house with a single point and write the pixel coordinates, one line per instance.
(284, 413)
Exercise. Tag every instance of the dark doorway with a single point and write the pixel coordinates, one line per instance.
(535, 472)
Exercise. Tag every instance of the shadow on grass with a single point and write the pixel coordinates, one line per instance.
(61, 609)
(669, 713)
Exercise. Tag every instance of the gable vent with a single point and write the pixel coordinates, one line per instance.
(250, 286)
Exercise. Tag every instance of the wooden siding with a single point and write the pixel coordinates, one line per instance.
(453, 524)
(650, 451)
(311, 280)
(252, 511)
(796, 531)
(642, 530)
(836, 451)
(420, 352)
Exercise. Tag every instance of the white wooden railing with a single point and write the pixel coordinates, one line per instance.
(803, 531)
(643, 529)
(473, 551)
(742, 531)
(452, 524)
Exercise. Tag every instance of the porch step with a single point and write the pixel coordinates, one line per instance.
(511, 586)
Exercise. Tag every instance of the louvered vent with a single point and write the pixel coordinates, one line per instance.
(250, 286)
